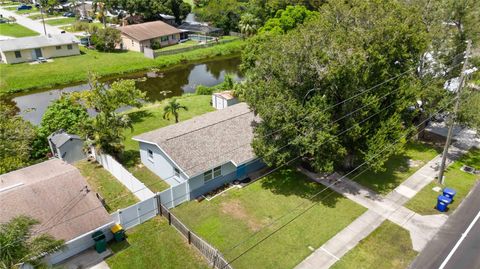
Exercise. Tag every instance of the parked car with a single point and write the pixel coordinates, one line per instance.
(86, 19)
(69, 14)
(24, 7)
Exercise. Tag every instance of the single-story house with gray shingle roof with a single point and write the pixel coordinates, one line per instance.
(28, 49)
(206, 151)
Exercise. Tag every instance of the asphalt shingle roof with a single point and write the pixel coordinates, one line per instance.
(51, 192)
(59, 138)
(209, 140)
(37, 42)
(149, 30)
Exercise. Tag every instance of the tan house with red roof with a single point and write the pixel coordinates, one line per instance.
(136, 37)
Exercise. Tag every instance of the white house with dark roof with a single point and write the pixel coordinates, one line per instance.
(27, 49)
(206, 151)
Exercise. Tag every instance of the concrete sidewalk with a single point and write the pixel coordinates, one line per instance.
(421, 228)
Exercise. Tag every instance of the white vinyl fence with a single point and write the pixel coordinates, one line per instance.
(136, 214)
(175, 195)
(79, 244)
(124, 176)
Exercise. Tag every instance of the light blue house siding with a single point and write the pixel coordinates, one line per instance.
(198, 186)
(160, 164)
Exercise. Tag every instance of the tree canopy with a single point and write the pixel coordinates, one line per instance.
(306, 85)
(18, 245)
(16, 136)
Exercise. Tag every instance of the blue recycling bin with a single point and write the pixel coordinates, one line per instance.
(442, 203)
(450, 193)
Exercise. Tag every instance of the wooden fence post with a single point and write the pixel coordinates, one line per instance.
(169, 219)
(215, 259)
(189, 238)
(159, 204)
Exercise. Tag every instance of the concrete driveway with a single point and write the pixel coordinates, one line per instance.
(36, 26)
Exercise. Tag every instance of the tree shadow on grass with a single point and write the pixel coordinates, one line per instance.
(289, 182)
(130, 158)
(139, 116)
(117, 247)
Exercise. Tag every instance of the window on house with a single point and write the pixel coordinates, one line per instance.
(150, 154)
(207, 175)
(69, 47)
(164, 38)
(176, 172)
(58, 47)
(217, 171)
(18, 54)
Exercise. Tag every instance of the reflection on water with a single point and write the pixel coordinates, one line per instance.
(157, 84)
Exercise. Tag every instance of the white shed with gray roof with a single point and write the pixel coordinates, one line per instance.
(206, 151)
(27, 49)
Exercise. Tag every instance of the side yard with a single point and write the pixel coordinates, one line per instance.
(23, 77)
(389, 246)
(106, 185)
(399, 167)
(154, 244)
(240, 213)
(424, 202)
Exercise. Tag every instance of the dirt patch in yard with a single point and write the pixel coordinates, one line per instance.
(235, 209)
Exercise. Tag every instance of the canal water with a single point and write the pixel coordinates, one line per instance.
(157, 84)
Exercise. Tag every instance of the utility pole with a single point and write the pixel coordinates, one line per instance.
(43, 20)
(452, 119)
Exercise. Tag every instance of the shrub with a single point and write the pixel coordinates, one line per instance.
(106, 39)
(204, 90)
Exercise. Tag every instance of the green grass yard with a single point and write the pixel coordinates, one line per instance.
(70, 28)
(24, 77)
(237, 214)
(15, 30)
(45, 15)
(397, 168)
(192, 43)
(55, 22)
(154, 244)
(424, 202)
(106, 185)
(389, 246)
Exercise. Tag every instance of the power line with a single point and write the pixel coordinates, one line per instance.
(315, 203)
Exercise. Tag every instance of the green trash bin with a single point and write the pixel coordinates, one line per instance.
(119, 235)
(100, 241)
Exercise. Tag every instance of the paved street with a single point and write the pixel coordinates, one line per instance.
(36, 26)
(446, 249)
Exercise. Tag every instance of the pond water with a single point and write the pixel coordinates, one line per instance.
(158, 85)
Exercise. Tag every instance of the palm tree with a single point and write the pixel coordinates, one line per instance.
(20, 246)
(172, 109)
(248, 24)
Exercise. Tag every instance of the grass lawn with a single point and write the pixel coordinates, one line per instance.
(235, 215)
(25, 11)
(152, 181)
(61, 21)
(398, 168)
(8, 3)
(154, 244)
(389, 246)
(104, 183)
(424, 202)
(45, 15)
(192, 43)
(18, 77)
(70, 28)
(15, 30)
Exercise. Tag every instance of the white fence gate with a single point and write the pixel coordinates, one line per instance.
(136, 214)
(124, 176)
(175, 195)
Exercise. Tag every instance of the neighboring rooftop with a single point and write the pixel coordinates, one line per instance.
(209, 140)
(54, 193)
(60, 137)
(148, 30)
(37, 42)
(227, 95)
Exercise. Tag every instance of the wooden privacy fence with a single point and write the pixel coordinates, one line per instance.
(214, 256)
